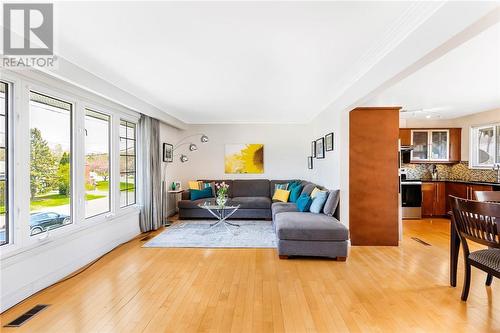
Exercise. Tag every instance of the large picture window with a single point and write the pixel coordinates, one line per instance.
(50, 163)
(4, 165)
(127, 163)
(97, 165)
(485, 146)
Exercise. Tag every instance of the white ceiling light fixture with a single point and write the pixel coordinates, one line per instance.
(430, 113)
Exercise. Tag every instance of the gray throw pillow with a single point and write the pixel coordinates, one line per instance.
(308, 188)
(331, 203)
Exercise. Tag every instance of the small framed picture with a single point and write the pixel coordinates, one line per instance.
(168, 153)
(177, 185)
(309, 162)
(313, 149)
(329, 142)
(320, 148)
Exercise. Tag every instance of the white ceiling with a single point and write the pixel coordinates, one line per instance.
(223, 62)
(464, 81)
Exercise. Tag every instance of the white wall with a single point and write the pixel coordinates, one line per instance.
(492, 116)
(286, 148)
(332, 171)
(169, 172)
(30, 271)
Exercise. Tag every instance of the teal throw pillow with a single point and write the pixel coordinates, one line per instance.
(304, 203)
(210, 185)
(201, 194)
(295, 193)
(318, 202)
(292, 184)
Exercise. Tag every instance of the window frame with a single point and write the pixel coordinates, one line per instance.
(111, 150)
(8, 108)
(126, 164)
(66, 99)
(21, 244)
(474, 145)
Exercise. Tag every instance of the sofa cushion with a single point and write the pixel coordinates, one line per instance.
(272, 185)
(252, 202)
(200, 194)
(281, 195)
(191, 204)
(251, 188)
(309, 227)
(295, 193)
(304, 203)
(318, 202)
(308, 188)
(283, 207)
(332, 202)
(227, 181)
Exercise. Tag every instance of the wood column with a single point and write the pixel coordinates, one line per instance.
(373, 176)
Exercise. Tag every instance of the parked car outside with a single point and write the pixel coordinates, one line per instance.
(43, 221)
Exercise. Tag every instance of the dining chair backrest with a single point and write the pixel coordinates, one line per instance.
(477, 221)
(488, 196)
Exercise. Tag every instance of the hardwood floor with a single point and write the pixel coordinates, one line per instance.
(379, 289)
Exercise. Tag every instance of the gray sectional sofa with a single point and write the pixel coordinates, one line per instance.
(297, 233)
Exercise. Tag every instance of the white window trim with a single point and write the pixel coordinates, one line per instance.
(112, 161)
(136, 162)
(10, 166)
(21, 84)
(473, 145)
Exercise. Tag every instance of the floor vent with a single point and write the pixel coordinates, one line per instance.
(420, 241)
(22, 319)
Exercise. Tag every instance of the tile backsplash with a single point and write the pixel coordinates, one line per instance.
(458, 171)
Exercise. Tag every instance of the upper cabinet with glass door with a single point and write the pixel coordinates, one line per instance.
(435, 145)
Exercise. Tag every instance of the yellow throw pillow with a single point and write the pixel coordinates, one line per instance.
(281, 195)
(314, 192)
(194, 185)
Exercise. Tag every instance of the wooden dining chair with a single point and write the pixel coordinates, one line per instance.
(478, 222)
(488, 196)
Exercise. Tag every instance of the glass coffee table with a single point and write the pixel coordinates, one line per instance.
(221, 213)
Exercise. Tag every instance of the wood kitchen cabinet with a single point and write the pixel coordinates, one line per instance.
(463, 190)
(433, 145)
(405, 136)
(434, 199)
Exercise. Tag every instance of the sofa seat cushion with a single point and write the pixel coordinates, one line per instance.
(250, 188)
(309, 227)
(191, 204)
(252, 202)
(283, 207)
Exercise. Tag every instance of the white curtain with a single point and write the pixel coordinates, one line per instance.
(149, 174)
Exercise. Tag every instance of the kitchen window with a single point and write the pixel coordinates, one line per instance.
(485, 146)
(4, 165)
(50, 163)
(127, 163)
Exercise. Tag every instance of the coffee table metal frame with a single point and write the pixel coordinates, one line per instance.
(221, 213)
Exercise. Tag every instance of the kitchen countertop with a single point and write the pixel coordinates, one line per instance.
(454, 181)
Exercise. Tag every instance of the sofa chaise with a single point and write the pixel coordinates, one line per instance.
(298, 233)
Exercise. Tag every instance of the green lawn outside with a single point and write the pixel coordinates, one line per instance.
(104, 186)
(52, 200)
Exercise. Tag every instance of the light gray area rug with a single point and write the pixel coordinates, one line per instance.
(250, 234)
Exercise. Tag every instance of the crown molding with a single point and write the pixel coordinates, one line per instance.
(412, 18)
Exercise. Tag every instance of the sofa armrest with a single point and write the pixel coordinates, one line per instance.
(185, 195)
